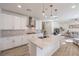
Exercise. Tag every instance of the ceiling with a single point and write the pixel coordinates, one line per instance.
(65, 12)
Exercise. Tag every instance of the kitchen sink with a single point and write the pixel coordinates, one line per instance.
(42, 37)
(31, 33)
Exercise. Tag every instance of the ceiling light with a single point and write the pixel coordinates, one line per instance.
(74, 6)
(51, 9)
(19, 6)
(43, 12)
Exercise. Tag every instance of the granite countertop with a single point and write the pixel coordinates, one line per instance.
(41, 43)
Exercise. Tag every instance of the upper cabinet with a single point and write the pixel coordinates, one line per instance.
(17, 22)
(6, 21)
(12, 22)
(23, 23)
(1, 20)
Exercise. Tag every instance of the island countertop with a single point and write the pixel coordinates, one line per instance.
(41, 43)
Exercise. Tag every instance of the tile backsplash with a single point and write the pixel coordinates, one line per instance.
(7, 33)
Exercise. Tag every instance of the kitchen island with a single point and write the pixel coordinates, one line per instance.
(43, 46)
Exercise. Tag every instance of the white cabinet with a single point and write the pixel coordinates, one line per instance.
(23, 22)
(12, 22)
(1, 20)
(20, 23)
(6, 43)
(1, 41)
(18, 41)
(24, 40)
(10, 42)
(17, 22)
(8, 22)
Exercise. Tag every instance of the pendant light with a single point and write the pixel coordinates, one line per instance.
(51, 9)
(51, 12)
(55, 16)
(43, 12)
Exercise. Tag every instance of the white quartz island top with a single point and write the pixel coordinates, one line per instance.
(42, 43)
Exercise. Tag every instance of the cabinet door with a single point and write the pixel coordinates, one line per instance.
(22, 22)
(12, 22)
(24, 40)
(1, 43)
(17, 22)
(1, 21)
(7, 21)
(17, 40)
(6, 43)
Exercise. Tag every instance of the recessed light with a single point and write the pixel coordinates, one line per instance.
(19, 6)
(73, 6)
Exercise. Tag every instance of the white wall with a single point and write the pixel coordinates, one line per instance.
(38, 25)
(50, 25)
(55, 25)
(66, 24)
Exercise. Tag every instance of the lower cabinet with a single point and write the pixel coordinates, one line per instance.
(11, 42)
(17, 51)
(6, 43)
(17, 41)
(24, 40)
